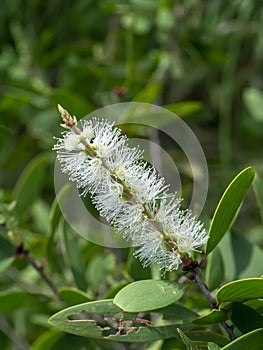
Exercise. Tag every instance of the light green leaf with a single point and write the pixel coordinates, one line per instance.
(228, 207)
(104, 320)
(148, 295)
(215, 270)
(252, 341)
(253, 99)
(241, 290)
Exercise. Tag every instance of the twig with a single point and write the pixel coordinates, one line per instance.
(212, 302)
(24, 254)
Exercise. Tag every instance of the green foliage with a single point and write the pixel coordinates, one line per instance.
(227, 208)
(201, 60)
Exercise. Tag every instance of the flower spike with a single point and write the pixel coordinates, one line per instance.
(128, 192)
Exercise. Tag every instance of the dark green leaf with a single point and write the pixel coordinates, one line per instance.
(177, 312)
(245, 318)
(214, 316)
(241, 290)
(73, 296)
(228, 206)
(148, 295)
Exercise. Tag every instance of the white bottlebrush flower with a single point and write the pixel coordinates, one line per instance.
(128, 192)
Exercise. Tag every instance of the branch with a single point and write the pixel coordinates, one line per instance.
(24, 254)
(212, 302)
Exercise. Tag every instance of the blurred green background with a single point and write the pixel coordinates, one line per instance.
(200, 59)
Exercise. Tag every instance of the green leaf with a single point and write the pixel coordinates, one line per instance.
(13, 300)
(104, 320)
(241, 258)
(258, 190)
(148, 295)
(149, 93)
(187, 341)
(47, 340)
(73, 296)
(256, 304)
(228, 206)
(252, 341)
(99, 270)
(55, 212)
(4, 264)
(74, 257)
(177, 312)
(241, 290)
(185, 108)
(253, 99)
(215, 270)
(213, 316)
(245, 318)
(202, 337)
(29, 183)
(213, 346)
(54, 221)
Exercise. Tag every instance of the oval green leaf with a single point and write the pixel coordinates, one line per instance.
(228, 207)
(252, 341)
(104, 320)
(241, 290)
(148, 295)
